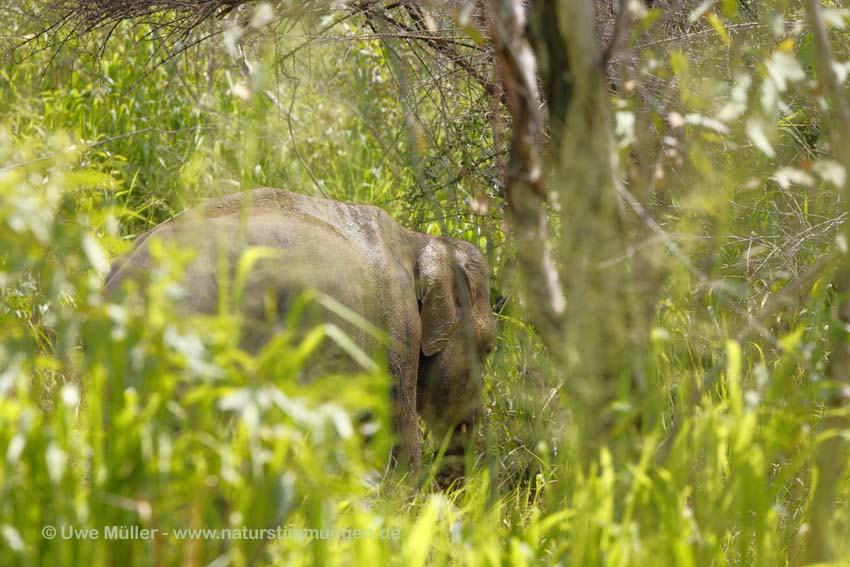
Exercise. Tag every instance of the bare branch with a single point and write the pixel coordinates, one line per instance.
(619, 30)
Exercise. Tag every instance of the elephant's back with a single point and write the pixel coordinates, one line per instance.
(349, 252)
(363, 229)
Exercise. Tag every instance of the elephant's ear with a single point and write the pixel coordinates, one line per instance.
(434, 289)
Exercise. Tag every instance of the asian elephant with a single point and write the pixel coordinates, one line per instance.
(429, 294)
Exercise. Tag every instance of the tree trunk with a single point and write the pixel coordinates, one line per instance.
(831, 454)
(524, 185)
(592, 335)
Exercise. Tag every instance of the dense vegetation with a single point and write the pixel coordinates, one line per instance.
(126, 415)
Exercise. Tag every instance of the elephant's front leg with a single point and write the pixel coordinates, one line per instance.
(406, 451)
(400, 315)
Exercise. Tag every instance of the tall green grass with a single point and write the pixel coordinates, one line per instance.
(129, 415)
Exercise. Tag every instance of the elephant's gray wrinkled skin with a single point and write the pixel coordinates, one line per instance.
(429, 294)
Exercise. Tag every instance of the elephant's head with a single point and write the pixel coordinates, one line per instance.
(453, 289)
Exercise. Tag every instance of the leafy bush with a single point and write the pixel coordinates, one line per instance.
(130, 415)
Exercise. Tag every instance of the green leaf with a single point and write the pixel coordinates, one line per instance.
(701, 10)
(734, 392)
(247, 261)
(755, 132)
(719, 27)
(788, 176)
(835, 17)
(679, 63)
(95, 254)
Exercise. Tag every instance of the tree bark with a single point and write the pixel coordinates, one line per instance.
(831, 454)
(595, 344)
(600, 349)
(524, 184)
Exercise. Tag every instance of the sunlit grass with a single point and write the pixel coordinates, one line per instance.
(130, 415)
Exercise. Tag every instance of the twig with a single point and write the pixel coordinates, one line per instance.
(446, 49)
(701, 32)
(301, 160)
(620, 27)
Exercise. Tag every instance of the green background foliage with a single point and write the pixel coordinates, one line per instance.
(128, 415)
